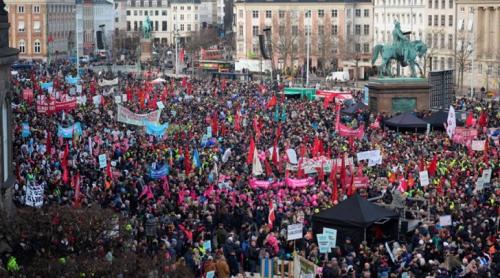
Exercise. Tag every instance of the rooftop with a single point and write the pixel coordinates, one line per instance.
(304, 1)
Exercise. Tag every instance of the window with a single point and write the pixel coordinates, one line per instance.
(182, 17)
(135, 25)
(366, 13)
(335, 30)
(129, 27)
(450, 20)
(269, 14)
(142, 3)
(164, 25)
(281, 30)
(441, 41)
(308, 14)
(450, 41)
(150, 3)
(255, 31)
(366, 48)
(357, 47)
(36, 9)
(156, 12)
(189, 27)
(443, 20)
(22, 46)
(490, 69)
(132, 3)
(366, 30)
(436, 18)
(36, 26)
(135, 12)
(321, 13)
(156, 25)
(255, 14)
(38, 47)
(450, 63)
(20, 26)
(435, 41)
(434, 63)
(145, 12)
(334, 13)
(357, 29)
(182, 27)
(188, 8)
(128, 12)
(480, 68)
(430, 4)
(164, 12)
(462, 9)
(281, 14)
(295, 30)
(348, 29)
(443, 4)
(321, 30)
(20, 9)
(451, 4)
(158, 3)
(240, 30)
(140, 13)
(429, 20)
(240, 13)
(348, 13)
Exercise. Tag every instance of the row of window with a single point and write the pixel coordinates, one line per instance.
(295, 30)
(307, 14)
(137, 26)
(35, 9)
(37, 46)
(21, 27)
(438, 41)
(146, 12)
(142, 3)
(443, 4)
(403, 18)
(399, 2)
(443, 20)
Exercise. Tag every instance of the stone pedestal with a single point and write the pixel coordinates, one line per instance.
(146, 49)
(393, 95)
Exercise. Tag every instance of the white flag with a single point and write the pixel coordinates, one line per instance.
(451, 122)
(256, 165)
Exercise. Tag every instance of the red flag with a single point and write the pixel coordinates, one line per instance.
(189, 88)
(269, 171)
(316, 147)
(187, 162)
(483, 119)
(271, 217)
(215, 125)
(275, 153)
(411, 180)
(49, 143)
(342, 172)
(184, 82)
(223, 85)
(272, 102)
(421, 165)
(337, 117)
(237, 118)
(333, 177)
(251, 151)
(403, 185)
(470, 120)
(181, 56)
(433, 166)
(392, 177)
(351, 189)
(109, 173)
(65, 156)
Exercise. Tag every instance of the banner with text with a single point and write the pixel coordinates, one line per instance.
(129, 117)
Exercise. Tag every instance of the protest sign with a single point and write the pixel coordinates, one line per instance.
(445, 220)
(28, 95)
(323, 243)
(361, 182)
(102, 161)
(210, 274)
(126, 116)
(209, 131)
(478, 145)
(487, 175)
(155, 129)
(96, 100)
(68, 132)
(124, 97)
(158, 173)
(207, 245)
(105, 82)
(424, 178)
(373, 157)
(34, 195)
(294, 231)
(160, 105)
(118, 99)
(332, 236)
(79, 88)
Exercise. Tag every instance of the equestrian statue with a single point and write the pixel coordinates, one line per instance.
(147, 27)
(404, 51)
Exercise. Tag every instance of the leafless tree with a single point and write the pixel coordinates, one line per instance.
(204, 38)
(285, 42)
(464, 52)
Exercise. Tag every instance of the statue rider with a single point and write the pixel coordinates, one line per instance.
(400, 40)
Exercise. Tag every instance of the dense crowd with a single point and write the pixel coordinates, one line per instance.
(205, 195)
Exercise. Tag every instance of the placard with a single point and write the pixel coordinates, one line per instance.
(102, 161)
(160, 105)
(445, 220)
(424, 178)
(323, 243)
(294, 231)
(118, 99)
(124, 97)
(96, 100)
(486, 175)
(34, 195)
(209, 131)
(207, 245)
(332, 236)
(478, 145)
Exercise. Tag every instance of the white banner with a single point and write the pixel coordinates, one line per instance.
(486, 175)
(102, 161)
(294, 231)
(311, 165)
(373, 157)
(451, 122)
(105, 82)
(424, 178)
(478, 145)
(34, 195)
(126, 116)
(445, 220)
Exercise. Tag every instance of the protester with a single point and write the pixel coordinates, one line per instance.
(193, 190)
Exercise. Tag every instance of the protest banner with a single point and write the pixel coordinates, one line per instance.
(72, 80)
(332, 236)
(155, 129)
(34, 195)
(361, 182)
(294, 231)
(105, 82)
(126, 116)
(118, 99)
(160, 105)
(464, 136)
(373, 157)
(445, 220)
(102, 161)
(44, 105)
(349, 132)
(299, 183)
(424, 178)
(311, 165)
(158, 173)
(478, 145)
(28, 95)
(68, 132)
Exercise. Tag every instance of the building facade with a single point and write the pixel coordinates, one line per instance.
(103, 11)
(340, 33)
(478, 45)
(186, 16)
(120, 10)
(42, 29)
(157, 11)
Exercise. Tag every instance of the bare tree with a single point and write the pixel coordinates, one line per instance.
(204, 38)
(464, 52)
(285, 42)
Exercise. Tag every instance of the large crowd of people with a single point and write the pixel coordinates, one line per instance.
(191, 184)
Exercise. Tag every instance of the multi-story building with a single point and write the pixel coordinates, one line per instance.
(186, 17)
(157, 11)
(478, 44)
(341, 33)
(88, 32)
(120, 11)
(409, 13)
(42, 29)
(103, 16)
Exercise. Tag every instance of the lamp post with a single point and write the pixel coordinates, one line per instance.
(176, 38)
(308, 30)
(472, 56)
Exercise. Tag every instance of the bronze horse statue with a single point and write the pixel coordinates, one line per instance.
(388, 53)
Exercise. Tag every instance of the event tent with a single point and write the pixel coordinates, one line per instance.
(308, 93)
(405, 120)
(437, 119)
(355, 217)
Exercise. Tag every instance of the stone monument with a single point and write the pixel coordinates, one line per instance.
(146, 44)
(7, 57)
(389, 93)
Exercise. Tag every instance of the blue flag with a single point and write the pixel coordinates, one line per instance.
(196, 159)
(68, 132)
(159, 173)
(47, 85)
(155, 129)
(72, 80)
(26, 130)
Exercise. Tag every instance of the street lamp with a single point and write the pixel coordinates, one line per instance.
(176, 38)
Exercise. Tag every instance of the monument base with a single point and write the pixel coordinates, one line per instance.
(146, 50)
(394, 95)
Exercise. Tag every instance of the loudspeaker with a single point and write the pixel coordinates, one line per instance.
(262, 44)
(100, 44)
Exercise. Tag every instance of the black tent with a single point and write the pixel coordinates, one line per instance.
(437, 119)
(405, 120)
(354, 108)
(356, 218)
